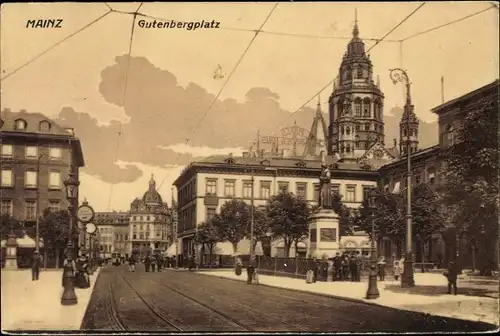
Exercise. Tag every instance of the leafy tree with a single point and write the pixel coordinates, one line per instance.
(8, 224)
(386, 216)
(345, 215)
(471, 179)
(260, 226)
(54, 230)
(208, 235)
(288, 216)
(426, 213)
(232, 222)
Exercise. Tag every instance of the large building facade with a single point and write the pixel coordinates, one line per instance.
(204, 186)
(36, 155)
(150, 228)
(113, 233)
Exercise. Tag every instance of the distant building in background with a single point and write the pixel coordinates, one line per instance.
(113, 230)
(35, 155)
(150, 228)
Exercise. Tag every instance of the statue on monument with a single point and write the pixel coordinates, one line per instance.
(325, 196)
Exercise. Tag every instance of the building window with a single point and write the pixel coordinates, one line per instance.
(44, 126)
(283, 186)
(450, 136)
(366, 193)
(54, 206)
(229, 188)
(367, 127)
(359, 72)
(211, 187)
(6, 207)
(417, 179)
(302, 190)
(265, 189)
(20, 124)
(247, 189)
(357, 107)
(30, 180)
(31, 151)
(211, 211)
(350, 195)
(54, 180)
(6, 150)
(335, 189)
(366, 107)
(7, 178)
(147, 218)
(55, 152)
(30, 210)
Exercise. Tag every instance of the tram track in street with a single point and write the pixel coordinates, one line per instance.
(245, 314)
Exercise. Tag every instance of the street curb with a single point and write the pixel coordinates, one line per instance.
(347, 299)
(97, 273)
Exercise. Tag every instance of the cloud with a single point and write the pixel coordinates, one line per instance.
(162, 115)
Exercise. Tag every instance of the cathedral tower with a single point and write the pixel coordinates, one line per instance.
(408, 127)
(356, 103)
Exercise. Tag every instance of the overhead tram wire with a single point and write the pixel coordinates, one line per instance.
(449, 23)
(223, 86)
(331, 82)
(124, 95)
(55, 45)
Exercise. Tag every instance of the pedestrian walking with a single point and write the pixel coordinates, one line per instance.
(352, 267)
(251, 271)
(452, 275)
(359, 266)
(337, 263)
(396, 269)
(36, 262)
(147, 263)
(381, 269)
(159, 262)
(131, 263)
(153, 263)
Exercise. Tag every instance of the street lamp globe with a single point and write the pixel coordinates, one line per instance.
(71, 184)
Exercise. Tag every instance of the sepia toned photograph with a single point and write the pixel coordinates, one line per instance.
(249, 167)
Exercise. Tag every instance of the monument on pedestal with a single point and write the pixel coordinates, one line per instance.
(324, 222)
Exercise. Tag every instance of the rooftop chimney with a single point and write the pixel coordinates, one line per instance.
(22, 111)
(395, 142)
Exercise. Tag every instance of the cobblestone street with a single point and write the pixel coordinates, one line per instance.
(184, 301)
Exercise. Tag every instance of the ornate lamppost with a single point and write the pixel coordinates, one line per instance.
(407, 280)
(69, 295)
(372, 291)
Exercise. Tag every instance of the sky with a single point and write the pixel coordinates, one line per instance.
(162, 94)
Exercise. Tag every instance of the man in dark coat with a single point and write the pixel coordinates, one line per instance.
(337, 263)
(153, 262)
(159, 262)
(452, 275)
(35, 266)
(353, 268)
(147, 263)
(250, 271)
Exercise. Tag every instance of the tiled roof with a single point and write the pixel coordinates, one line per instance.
(33, 120)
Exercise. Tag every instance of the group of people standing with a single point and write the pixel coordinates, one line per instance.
(152, 262)
(343, 267)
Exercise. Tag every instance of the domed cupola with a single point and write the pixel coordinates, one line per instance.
(152, 197)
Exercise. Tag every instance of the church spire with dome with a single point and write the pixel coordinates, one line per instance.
(356, 103)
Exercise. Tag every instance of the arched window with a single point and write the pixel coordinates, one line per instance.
(348, 131)
(348, 74)
(449, 135)
(366, 107)
(357, 107)
(359, 72)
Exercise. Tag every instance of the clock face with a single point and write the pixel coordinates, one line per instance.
(85, 214)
